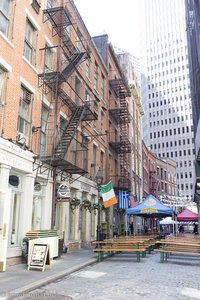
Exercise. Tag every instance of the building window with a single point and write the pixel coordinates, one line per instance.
(5, 6)
(95, 76)
(15, 217)
(102, 161)
(44, 130)
(102, 86)
(88, 68)
(94, 158)
(79, 44)
(30, 42)
(87, 97)
(24, 117)
(85, 153)
(62, 127)
(37, 214)
(48, 58)
(3, 74)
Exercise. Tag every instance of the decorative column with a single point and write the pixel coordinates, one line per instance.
(26, 206)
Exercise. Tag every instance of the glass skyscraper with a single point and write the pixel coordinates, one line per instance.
(165, 87)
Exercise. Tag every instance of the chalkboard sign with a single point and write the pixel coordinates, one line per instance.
(39, 256)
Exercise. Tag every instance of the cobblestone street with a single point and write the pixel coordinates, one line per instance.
(121, 277)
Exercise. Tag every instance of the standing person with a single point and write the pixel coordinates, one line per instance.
(181, 229)
(195, 229)
(131, 228)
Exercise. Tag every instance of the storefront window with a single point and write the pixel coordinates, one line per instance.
(36, 213)
(15, 209)
(37, 207)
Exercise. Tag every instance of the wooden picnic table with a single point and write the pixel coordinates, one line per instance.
(117, 245)
(185, 247)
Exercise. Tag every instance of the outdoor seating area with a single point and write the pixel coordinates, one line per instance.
(136, 244)
(182, 244)
(187, 245)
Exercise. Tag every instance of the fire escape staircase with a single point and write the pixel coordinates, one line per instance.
(122, 117)
(59, 156)
(154, 182)
(60, 18)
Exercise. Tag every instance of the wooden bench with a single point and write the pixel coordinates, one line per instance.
(119, 246)
(177, 247)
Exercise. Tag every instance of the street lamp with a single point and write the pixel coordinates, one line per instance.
(99, 180)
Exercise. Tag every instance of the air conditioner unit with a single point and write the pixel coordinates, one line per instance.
(21, 138)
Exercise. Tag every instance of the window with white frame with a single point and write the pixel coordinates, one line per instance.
(79, 44)
(44, 129)
(94, 161)
(87, 97)
(48, 58)
(102, 86)
(5, 10)
(37, 207)
(85, 153)
(96, 76)
(25, 110)
(62, 127)
(88, 62)
(30, 42)
(3, 74)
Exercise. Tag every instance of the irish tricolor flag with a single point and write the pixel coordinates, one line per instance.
(108, 195)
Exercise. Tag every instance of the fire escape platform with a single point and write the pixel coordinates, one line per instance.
(51, 79)
(59, 18)
(89, 115)
(120, 88)
(63, 165)
(67, 100)
(121, 147)
(120, 115)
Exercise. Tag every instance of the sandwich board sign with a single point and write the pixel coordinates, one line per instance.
(39, 256)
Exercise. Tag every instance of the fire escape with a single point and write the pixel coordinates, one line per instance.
(121, 144)
(54, 81)
(154, 180)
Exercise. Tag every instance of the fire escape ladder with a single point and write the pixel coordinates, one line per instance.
(69, 133)
(66, 100)
(70, 68)
(154, 182)
(69, 47)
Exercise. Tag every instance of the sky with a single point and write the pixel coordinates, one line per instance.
(119, 19)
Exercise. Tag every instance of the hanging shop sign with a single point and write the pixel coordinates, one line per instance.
(63, 190)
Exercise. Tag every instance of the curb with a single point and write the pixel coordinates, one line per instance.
(47, 280)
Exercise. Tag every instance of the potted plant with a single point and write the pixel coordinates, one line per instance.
(87, 205)
(74, 203)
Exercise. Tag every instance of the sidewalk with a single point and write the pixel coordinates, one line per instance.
(17, 279)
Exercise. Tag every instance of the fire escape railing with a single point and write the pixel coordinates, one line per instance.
(53, 80)
(122, 145)
(154, 182)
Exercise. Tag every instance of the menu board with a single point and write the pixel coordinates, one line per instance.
(39, 256)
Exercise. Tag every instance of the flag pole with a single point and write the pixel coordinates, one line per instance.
(126, 222)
